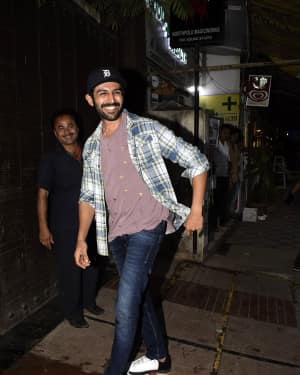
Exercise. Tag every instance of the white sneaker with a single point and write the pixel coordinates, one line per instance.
(143, 365)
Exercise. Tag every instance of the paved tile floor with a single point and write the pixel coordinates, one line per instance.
(236, 314)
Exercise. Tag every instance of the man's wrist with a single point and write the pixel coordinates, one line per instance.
(197, 209)
(43, 226)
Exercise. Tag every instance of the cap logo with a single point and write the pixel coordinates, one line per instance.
(106, 73)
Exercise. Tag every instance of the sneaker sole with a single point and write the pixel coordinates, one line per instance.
(153, 372)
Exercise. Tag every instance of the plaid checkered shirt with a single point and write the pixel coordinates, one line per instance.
(149, 142)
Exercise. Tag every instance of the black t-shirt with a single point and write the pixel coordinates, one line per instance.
(60, 174)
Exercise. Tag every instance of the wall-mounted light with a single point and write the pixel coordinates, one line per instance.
(201, 89)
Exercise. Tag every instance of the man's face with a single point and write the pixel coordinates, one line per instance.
(66, 130)
(108, 100)
(225, 134)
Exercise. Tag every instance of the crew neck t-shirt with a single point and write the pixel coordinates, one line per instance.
(131, 207)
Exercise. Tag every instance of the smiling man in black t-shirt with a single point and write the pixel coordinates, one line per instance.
(59, 184)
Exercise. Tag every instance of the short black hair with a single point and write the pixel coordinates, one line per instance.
(65, 111)
(75, 116)
(237, 131)
(226, 126)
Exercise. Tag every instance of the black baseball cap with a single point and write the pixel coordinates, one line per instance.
(104, 74)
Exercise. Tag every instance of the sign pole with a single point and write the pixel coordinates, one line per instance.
(196, 96)
(196, 120)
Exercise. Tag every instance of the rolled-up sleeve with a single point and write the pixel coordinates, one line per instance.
(87, 185)
(181, 152)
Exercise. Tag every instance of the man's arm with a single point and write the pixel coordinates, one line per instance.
(196, 166)
(194, 221)
(45, 235)
(181, 152)
(86, 215)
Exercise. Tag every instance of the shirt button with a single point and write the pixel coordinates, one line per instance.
(125, 190)
(140, 194)
(121, 177)
(124, 161)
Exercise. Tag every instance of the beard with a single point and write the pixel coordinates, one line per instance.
(107, 115)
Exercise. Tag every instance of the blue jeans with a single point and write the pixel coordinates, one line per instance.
(134, 255)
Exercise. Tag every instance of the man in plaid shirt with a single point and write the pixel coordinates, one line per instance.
(126, 184)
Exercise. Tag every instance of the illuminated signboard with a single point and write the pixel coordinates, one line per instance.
(205, 27)
(160, 16)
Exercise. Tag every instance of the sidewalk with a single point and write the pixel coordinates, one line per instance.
(236, 314)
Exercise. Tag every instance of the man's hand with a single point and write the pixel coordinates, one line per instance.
(193, 222)
(46, 238)
(80, 255)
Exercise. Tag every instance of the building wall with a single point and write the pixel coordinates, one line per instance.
(47, 48)
(133, 63)
(182, 123)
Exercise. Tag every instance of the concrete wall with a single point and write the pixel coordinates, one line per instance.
(182, 123)
(220, 82)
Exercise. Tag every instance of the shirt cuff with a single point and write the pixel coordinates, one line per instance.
(85, 197)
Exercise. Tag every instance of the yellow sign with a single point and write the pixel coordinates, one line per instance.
(226, 106)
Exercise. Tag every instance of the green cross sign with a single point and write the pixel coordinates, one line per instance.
(229, 103)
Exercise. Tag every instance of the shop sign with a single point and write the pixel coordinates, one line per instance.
(159, 14)
(226, 106)
(205, 27)
(258, 90)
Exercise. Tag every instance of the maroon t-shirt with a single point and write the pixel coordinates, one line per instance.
(131, 206)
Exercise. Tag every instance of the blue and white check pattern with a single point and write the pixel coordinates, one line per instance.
(149, 142)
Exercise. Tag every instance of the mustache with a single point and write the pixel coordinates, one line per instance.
(114, 104)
